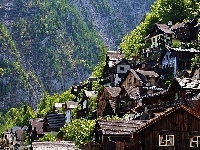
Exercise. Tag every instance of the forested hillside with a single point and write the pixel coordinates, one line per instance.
(48, 45)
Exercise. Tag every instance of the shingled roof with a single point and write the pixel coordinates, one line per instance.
(164, 114)
(188, 83)
(38, 125)
(115, 55)
(142, 92)
(114, 91)
(148, 73)
(55, 120)
(119, 127)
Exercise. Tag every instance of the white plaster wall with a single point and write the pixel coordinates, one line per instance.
(126, 68)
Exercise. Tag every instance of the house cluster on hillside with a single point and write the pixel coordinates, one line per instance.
(157, 96)
(18, 137)
(157, 93)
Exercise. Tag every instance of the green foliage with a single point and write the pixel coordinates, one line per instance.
(47, 102)
(16, 117)
(92, 105)
(176, 44)
(47, 137)
(79, 130)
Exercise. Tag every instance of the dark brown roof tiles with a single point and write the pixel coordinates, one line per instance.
(114, 91)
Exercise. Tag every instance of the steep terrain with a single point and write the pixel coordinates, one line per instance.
(48, 45)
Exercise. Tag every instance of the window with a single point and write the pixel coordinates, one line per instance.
(121, 68)
(153, 39)
(166, 140)
(194, 141)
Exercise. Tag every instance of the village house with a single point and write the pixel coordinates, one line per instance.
(35, 129)
(115, 68)
(174, 128)
(186, 32)
(160, 36)
(106, 101)
(67, 108)
(85, 100)
(139, 78)
(176, 60)
(53, 121)
(184, 90)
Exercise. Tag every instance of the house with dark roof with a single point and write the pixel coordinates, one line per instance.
(159, 36)
(139, 78)
(175, 128)
(115, 68)
(35, 129)
(175, 60)
(184, 90)
(84, 102)
(54, 121)
(186, 31)
(106, 101)
(67, 108)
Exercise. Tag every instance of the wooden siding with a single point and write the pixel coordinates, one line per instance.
(131, 81)
(181, 124)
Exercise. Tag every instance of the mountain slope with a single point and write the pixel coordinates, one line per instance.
(57, 43)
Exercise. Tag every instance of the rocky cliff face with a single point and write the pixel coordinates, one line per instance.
(38, 56)
(113, 19)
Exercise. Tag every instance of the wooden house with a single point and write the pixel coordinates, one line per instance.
(67, 108)
(139, 78)
(106, 101)
(175, 128)
(115, 68)
(186, 31)
(35, 129)
(159, 36)
(175, 60)
(184, 90)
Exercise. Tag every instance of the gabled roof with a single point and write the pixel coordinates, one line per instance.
(113, 91)
(55, 120)
(119, 127)
(90, 93)
(37, 123)
(188, 83)
(71, 104)
(115, 55)
(183, 24)
(164, 114)
(138, 76)
(162, 27)
(148, 73)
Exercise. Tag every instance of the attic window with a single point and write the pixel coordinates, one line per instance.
(194, 141)
(166, 140)
(121, 68)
